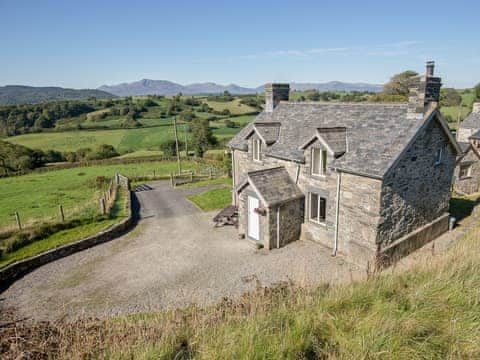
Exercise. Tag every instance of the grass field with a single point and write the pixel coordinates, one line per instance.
(117, 214)
(37, 196)
(124, 140)
(235, 107)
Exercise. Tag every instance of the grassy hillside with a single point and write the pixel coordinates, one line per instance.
(15, 94)
(454, 113)
(429, 311)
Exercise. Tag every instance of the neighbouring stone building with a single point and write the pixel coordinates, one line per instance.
(467, 172)
(369, 180)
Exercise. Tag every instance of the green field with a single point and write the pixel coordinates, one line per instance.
(117, 214)
(124, 140)
(37, 196)
(213, 199)
(235, 107)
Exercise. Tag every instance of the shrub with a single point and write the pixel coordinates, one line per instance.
(230, 124)
(169, 147)
(103, 151)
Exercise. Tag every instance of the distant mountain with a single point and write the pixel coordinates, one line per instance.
(163, 87)
(18, 94)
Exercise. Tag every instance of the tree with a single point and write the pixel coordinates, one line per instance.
(477, 92)
(399, 84)
(450, 97)
(202, 136)
(169, 147)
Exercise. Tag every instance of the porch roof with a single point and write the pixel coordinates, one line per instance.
(274, 186)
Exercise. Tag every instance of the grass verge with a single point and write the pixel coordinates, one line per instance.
(213, 199)
(117, 214)
(220, 181)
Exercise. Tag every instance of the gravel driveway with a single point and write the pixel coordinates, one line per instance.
(174, 257)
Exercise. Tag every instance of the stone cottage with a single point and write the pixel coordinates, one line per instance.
(369, 180)
(467, 172)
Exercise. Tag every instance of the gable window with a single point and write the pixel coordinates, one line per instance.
(257, 148)
(319, 161)
(318, 208)
(465, 171)
(439, 156)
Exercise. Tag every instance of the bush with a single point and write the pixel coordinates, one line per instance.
(169, 147)
(230, 124)
(103, 151)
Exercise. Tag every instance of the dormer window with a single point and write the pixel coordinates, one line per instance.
(257, 148)
(319, 162)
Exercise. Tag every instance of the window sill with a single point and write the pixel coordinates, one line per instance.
(438, 164)
(319, 176)
(322, 224)
(465, 178)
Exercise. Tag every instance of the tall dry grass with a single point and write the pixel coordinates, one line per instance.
(430, 311)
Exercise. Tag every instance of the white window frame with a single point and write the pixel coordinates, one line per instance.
(318, 219)
(322, 166)
(469, 171)
(439, 156)
(257, 148)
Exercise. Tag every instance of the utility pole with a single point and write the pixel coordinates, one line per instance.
(458, 122)
(176, 143)
(186, 143)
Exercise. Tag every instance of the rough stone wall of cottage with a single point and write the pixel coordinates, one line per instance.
(470, 184)
(326, 187)
(464, 133)
(417, 191)
(291, 218)
(359, 215)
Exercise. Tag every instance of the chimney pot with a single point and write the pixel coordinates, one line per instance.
(430, 68)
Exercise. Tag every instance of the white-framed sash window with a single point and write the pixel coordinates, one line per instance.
(319, 161)
(257, 148)
(317, 208)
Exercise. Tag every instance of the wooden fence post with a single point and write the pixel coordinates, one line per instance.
(210, 174)
(62, 215)
(191, 176)
(103, 209)
(171, 179)
(17, 219)
(153, 173)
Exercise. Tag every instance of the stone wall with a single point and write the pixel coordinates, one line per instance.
(470, 184)
(326, 187)
(412, 241)
(463, 134)
(359, 215)
(417, 191)
(15, 271)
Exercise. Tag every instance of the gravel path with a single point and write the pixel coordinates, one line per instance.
(174, 257)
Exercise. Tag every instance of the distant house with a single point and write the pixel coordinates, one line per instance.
(467, 173)
(369, 180)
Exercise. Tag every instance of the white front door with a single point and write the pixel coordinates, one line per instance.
(253, 219)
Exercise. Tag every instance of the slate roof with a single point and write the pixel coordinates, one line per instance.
(472, 121)
(335, 139)
(376, 133)
(267, 131)
(464, 146)
(274, 185)
(476, 135)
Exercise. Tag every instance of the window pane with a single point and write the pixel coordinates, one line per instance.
(315, 161)
(324, 161)
(314, 206)
(323, 210)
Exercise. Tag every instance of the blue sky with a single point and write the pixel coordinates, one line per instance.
(86, 43)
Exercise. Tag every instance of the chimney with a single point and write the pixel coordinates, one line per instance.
(274, 93)
(476, 108)
(424, 92)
